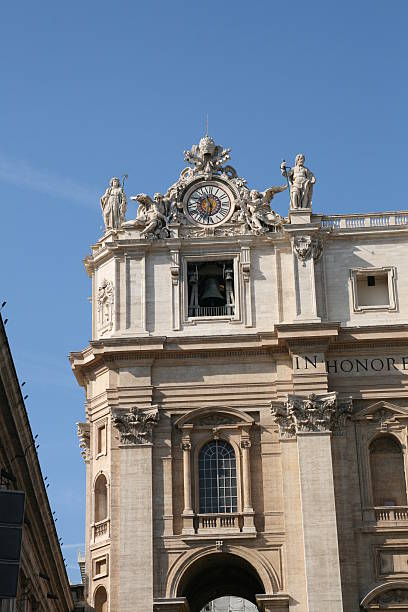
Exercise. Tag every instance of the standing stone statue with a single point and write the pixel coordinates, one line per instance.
(301, 181)
(113, 204)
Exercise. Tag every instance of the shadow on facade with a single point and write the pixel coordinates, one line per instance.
(216, 576)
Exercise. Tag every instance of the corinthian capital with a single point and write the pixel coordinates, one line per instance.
(136, 426)
(311, 414)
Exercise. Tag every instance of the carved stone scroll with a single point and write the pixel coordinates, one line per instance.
(84, 435)
(311, 414)
(136, 426)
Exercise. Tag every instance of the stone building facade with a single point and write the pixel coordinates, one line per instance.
(42, 581)
(246, 400)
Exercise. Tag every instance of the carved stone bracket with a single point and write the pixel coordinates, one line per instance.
(136, 426)
(306, 247)
(246, 264)
(175, 267)
(311, 414)
(84, 435)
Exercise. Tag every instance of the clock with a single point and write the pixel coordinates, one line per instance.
(209, 203)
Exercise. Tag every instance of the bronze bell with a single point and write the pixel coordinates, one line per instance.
(211, 295)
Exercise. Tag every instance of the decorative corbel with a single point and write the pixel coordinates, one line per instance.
(175, 267)
(246, 263)
(84, 435)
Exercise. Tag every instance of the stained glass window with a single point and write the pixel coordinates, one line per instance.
(217, 477)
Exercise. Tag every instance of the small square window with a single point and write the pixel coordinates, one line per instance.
(373, 289)
(211, 291)
(101, 567)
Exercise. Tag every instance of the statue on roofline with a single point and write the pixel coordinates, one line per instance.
(300, 181)
(113, 204)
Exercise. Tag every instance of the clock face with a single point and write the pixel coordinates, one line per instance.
(209, 204)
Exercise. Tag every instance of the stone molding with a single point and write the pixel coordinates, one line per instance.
(136, 426)
(315, 413)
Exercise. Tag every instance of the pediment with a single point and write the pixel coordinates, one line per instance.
(214, 417)
(382, 410)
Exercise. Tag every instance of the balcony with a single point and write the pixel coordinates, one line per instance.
(218, 523)
(101, 530)
(387, 516)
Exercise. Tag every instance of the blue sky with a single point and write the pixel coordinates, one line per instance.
(95, 89)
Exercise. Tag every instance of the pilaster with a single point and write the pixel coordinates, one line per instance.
(136, 508)
(311, 421)
(306, 249)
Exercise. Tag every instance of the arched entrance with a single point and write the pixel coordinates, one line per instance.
(217, 575)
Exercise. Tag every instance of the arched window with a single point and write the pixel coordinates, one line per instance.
(217, 477)
(101, 600)
(101, 499)
(387, 472)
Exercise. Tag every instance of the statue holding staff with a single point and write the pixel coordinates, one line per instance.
(300, 180)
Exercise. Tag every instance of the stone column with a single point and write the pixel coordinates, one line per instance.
(312, 420)
(188, 513)
(248, 510)
(246, 474)
(135, 574)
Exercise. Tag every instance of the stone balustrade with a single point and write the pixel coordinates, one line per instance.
(101, 530)
(217, 523)
(372, 220)
(391, 513)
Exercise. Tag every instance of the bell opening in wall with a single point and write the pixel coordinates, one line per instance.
(211, 288)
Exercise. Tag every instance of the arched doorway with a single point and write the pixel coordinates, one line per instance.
(217, 575)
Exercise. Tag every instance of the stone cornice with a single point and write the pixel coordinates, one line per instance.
(325, 337)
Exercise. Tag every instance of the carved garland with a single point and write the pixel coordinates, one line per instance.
(105, 302)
